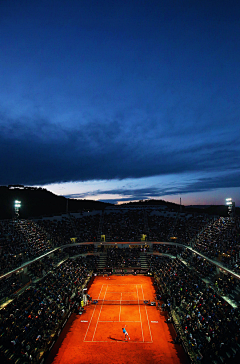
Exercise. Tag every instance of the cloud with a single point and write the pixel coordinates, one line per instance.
(36, 151)
(231, 180)
(115, 92)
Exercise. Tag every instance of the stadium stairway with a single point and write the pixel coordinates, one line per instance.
(102, 260)
(143, 260)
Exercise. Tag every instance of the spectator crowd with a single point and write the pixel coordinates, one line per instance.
(31, 320)
(189, 284)
(123, 257)
(210, 325)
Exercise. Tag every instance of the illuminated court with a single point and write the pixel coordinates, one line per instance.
(97, 337)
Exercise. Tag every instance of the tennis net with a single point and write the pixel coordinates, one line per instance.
(121, 302)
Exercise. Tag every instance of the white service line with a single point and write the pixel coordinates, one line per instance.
(120, 309)
(120, 321)
(120, 292)
(92, 315)
(147, 315)
(140, 314)
(123, 342)
(99, 313)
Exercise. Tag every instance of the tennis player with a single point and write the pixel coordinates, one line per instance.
(125, 333)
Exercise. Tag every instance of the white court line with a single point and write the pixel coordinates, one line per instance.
(147, 315)
(92, 315)
(121, 292)
(99, 314)
(120, 321)
(120, 308)
(118, 301)
(119, 284)
(140, 313)
(120, 341)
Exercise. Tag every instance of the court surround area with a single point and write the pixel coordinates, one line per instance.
(96, 336)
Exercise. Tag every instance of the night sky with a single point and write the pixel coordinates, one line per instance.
(121, 100)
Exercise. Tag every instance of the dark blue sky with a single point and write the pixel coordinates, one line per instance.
(121, 100)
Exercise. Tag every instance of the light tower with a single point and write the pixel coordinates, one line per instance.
(17, 205)
(231, 207)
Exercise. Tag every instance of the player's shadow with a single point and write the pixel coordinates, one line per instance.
(113, 338)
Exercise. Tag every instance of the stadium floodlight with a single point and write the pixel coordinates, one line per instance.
(231, 206)
(17, 205)
(228, 201)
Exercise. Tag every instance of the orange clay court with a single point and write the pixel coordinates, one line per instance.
(96, 336)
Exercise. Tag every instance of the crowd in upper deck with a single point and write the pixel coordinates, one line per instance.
(83, 228)
(184, 227)
(21, 241)
(220, 241)
(24, 240)
(123, 257)
(124, 225)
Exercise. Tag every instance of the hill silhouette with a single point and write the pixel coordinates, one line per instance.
(218, 210)
(37, 202)
(170, 205)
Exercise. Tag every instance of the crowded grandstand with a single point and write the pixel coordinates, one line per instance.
(194, 259)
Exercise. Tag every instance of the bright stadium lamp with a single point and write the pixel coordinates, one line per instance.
(231, 206)
(17, 205)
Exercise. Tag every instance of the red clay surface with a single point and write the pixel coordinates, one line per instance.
(96, 336)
